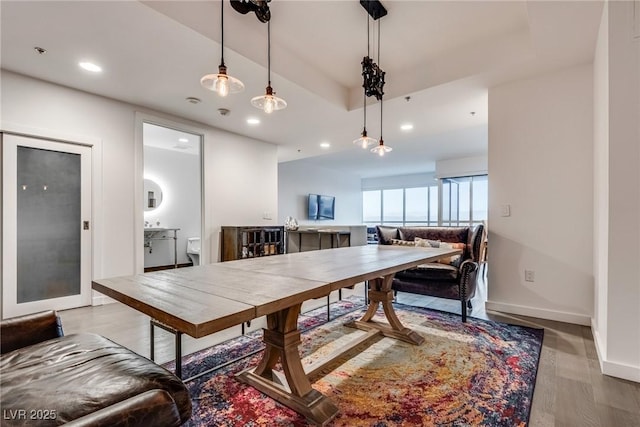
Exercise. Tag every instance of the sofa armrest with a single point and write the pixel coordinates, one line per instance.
(151, 408)
(468, 278)
(21, 331)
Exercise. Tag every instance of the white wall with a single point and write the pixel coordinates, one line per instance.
(240, 174)
(617, 192)
(601, 183)
(241, 182)
(296, 180)
(465, 166)
(179, 176)
(541, 164)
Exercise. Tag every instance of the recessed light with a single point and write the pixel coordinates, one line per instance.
(253, 121)
(325, 145)
(90, 66)
(183, 140)
(406, 126)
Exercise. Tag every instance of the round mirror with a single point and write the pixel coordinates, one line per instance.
(152, 195)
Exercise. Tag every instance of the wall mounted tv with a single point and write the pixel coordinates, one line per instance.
(321, 207)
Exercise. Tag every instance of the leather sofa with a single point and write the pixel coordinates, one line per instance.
(454, 280)
(48, 378)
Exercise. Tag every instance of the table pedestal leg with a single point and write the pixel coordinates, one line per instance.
(282, 339)
(380, 293)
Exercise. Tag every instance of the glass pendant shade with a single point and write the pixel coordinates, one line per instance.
(268, 102)
(222, 83)
(364, 141)
(381, 149)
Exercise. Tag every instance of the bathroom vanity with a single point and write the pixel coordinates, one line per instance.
(153, 234)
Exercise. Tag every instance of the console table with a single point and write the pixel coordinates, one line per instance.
(334, 234)
(205, 299)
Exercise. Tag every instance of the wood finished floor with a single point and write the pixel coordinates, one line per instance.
(569, 391)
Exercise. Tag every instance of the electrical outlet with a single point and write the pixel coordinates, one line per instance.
(505, 210)
(529, 276)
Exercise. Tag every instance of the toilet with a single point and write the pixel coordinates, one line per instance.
(193, 250)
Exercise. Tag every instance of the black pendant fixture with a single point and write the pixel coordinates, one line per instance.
(372, 79)
(364, 141)
(378, 85)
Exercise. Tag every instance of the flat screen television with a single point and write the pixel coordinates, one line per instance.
(321, 207)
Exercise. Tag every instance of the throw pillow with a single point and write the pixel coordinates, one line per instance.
(398, 242)
(455, 259)
(426, 243)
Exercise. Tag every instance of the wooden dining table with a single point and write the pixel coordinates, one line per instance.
(206, 299)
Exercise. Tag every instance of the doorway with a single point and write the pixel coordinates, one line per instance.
(172, 197)
(46, 258)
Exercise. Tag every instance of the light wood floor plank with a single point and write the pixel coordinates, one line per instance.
(575, 403)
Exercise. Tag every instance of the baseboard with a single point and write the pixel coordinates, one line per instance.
(619, 370)
(613, 369)
(540, 313)
(167, 267)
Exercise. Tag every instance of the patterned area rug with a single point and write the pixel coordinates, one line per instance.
(480, 373)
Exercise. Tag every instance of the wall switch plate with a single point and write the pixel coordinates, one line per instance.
(529, 276)
(505, 210)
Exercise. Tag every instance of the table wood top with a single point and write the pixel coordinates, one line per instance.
(205, 299)
(346, 266)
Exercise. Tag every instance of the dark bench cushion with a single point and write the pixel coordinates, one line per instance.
(431, 271)
(79, 374)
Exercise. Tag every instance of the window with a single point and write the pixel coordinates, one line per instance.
(371, 207)
(463, 201)
(392, 206)
(400, 206)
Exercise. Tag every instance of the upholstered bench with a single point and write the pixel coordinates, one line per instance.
(82, 379)
(455, 278)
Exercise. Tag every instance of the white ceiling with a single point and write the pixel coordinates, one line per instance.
(444, 55)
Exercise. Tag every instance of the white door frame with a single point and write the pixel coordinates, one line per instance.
(10, 306)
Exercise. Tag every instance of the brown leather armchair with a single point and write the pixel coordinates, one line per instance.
(81, 379)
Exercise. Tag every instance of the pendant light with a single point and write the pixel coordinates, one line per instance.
(222, 83)
(364, 140)
(269, 102)
(381, 149)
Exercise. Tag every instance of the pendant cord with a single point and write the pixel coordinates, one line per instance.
(381, 120)
(364, 90)
(364, 101)
(378, 42)
(222, 31)
(381, 97)
(269, 52)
